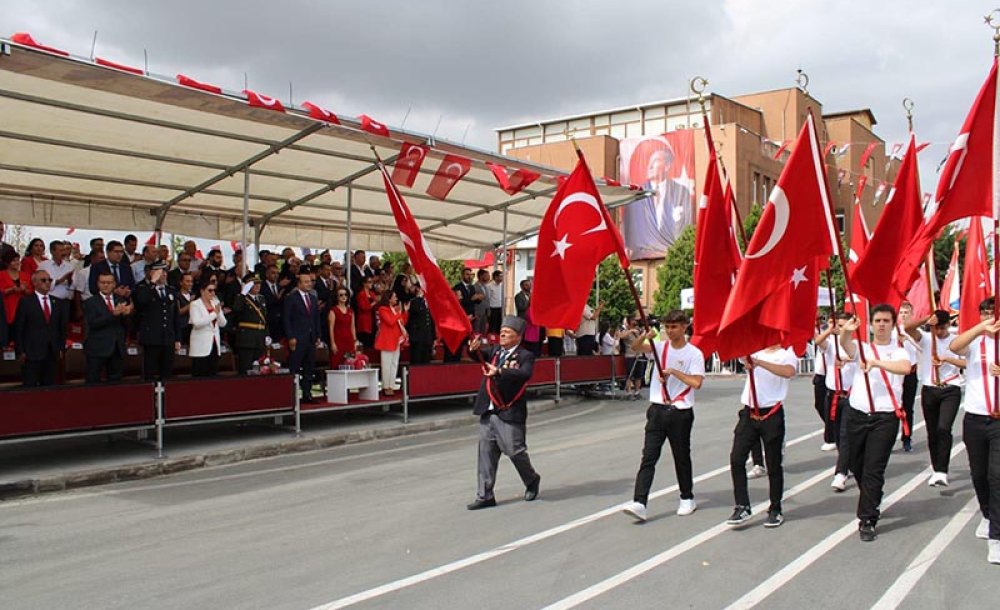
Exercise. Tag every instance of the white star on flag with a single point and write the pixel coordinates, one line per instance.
(798, 276)
(561, 246)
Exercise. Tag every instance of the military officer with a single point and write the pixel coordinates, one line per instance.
(156, 305)
(250, 315)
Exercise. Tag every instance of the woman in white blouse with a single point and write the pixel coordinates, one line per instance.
(206, 343)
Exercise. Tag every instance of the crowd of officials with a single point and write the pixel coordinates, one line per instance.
(119, 296)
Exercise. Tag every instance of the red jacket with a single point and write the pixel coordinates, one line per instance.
(389, 333)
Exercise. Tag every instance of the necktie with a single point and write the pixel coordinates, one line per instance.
(502, 358)
(46, 309)
(111, 306)
(305, 299)
(163, 296)
(114, 269)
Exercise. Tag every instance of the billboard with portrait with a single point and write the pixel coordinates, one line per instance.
(663, 164)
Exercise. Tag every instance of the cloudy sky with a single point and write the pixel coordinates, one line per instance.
(482, 65)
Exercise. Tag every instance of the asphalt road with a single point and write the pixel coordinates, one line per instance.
(384, 525)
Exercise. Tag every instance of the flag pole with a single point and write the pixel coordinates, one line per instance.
(994, 24)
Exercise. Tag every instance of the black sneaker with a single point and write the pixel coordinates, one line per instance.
(740, 515)
(907, 445)
(867, 531)
(774, 519)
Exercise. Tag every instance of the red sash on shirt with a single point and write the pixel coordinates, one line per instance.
(900, 414)
(986, 380)
(494, 392)
(663, 383)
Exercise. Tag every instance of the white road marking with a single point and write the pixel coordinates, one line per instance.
(472, 560)
(803, 561)
(896, 593)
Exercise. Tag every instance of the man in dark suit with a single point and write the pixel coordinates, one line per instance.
(358, 272)
(325, 285)
(503, 411)
(274, 299)
(156, 305)
(183, 266)
(119, 268)
(250, 316)
(301, 324)
(464, 291)
(40, 332)
(106, 318)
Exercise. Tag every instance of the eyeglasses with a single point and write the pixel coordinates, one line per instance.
(44, 279)
(210, 291)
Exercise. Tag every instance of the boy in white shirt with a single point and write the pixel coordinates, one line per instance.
(762, 419)
(839, 377)
(679, 371)
(981, 426)
(873, 418)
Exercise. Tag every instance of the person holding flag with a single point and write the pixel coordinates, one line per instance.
(839, 377)
(981, 426)
(940, 372)
(875, 412)
(679, 373)
(910, 381)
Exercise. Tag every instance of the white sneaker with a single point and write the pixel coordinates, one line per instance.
(686, 507)
(993, 556)
(827, 446)
(839, 482)
(637, 510)
(756, 472)
(932, 481)
(983, 530)
(942, 479)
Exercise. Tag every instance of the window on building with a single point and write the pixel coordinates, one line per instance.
(840, 222)
(638, 277)
(529, 260)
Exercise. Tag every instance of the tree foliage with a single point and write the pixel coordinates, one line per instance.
(675, 274)
(614, 291)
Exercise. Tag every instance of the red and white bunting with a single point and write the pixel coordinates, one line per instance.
(407, 166)
(868, 153)
(781, 149)
(24, 38)
(319, 113)
(372, 126)
(187, 81)
(513, 184)
(452, 169)
(259, 100)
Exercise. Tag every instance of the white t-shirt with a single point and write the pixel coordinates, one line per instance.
(880, 393)
(60, 290)
(819, 361)
(588, 323)
(608, 345)
(688, 360)
(913, 350)
(494, 295)
(771, 389)
(947, 373)
(975, 394)
(846, 371)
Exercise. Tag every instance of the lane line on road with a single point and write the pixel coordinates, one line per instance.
(73, 495)
(898, 591)
(803, 561)
(472, 560)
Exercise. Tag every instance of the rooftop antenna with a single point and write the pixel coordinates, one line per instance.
(93, 46)
(405, 116)
(467, 127)
(145, 61)
(436, 127)
(291, 101)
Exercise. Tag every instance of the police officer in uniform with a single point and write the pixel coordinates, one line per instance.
(156, 305)
(250, 315)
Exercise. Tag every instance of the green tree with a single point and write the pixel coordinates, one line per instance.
(396, 258)
(452, 270)
(615, 292)
(750, 224)
(675, 274)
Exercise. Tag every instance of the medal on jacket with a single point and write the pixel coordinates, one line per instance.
(493, 391)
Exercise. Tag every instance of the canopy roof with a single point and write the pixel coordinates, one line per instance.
(90, 146)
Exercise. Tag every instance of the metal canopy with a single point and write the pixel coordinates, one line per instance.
(88, 146)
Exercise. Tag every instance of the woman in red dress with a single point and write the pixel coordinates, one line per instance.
(14, 283)
(365, 305)
(34, 256)
(343, 337)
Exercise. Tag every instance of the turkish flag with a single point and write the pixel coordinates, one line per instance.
(576, 234)
(950, 289)
(716, 255)
(859, 243)
(868, 153)
(372, 126)
(781, 260)
(187, 81)
(107, 63)
(919, 294)
(25, 39)
(513, 184)
(976, 281)
(900, 221)
(966, 186)
(452, 169)
(259, 100)
(452, 323)
(319, 113)
(407, 167)
(152, 239)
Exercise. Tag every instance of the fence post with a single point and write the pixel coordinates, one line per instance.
(298, 406)
(558, 382)
(406, 394)
(158, 392)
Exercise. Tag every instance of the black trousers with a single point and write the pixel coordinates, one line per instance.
(555, 346)
(366, 339)
(495, 318)
(421, 352)
(940, 407)
(41, 372)
(303, 361)
(663, 423)
(748, 434)
(820, 404)
(206, 366)
(586, 345)
(871, 437)
(157, 362)
(909, 397)
(836, 427)
(981, 434)
(245, 357)
(110, 365)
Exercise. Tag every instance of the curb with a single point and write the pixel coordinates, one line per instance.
(156, 468)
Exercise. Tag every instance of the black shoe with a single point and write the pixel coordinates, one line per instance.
(774, 519)
(740, 515)
(907, 445)
(480, 504)
(531, 492)
(867, 531)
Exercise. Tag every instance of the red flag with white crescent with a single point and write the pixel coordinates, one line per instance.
(450, 319)
(259, 100)
(868, 153)
(407, 166)
(514, 183)
(372, 126)
(319, 113)
(452, 169)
